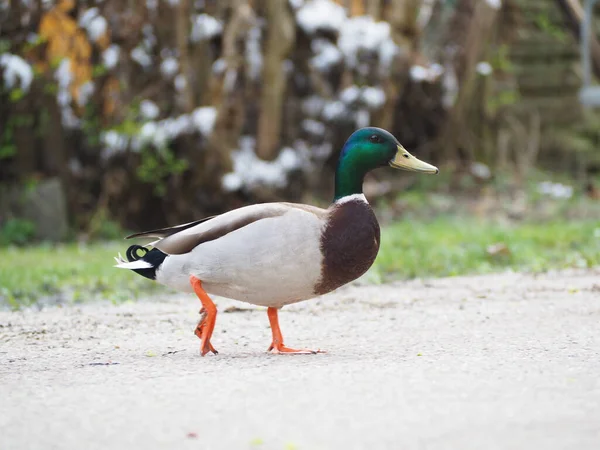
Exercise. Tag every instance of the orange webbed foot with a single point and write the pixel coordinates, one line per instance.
(206, 325)
(277, 346)
(205, 346)
(281, 349)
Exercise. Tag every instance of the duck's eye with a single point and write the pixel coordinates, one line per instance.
(375, 139)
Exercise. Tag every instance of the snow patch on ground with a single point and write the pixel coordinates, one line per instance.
(362, 34)
(250, 171)
(425, 13)
(484, 68)
(374, 97)
(180, 82)
(496, 4)
(95, 25)
(334, 110)
(316, 15)
(159, 133)
(350, 94)
(64, 78)
(371, 96)
(326, 55)
(314, 127)
(204, 119)
(169, 66)
(313, 105)
(205, 27)
(362, 118)
(113, 143)
(149, 39)
(296, 4)
(219, 66)
(556, 190)
(450, 85)
(149, 109)
(16, 71)
(141, 56)
(429, 74)
(85, 92)
(110, 56)
(481, 170)
(162, 132)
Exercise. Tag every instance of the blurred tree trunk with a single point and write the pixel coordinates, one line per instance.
(355, 7)
(574, 12)
(280, 39)
(480, 19)
(201, 58)
(54, 151)
(374, 9)
(132, 136)
(26, 160)
(402, 16)
(182, 25)
(226, 89)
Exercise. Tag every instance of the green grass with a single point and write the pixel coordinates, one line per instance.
(444, 246)
(451, 246)
(68, 273)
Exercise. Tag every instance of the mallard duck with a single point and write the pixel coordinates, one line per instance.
(276, 254)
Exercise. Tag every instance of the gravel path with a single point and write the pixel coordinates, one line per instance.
(506, 361)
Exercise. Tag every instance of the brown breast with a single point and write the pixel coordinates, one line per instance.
(349, 244)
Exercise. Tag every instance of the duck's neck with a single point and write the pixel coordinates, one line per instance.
(349, 177)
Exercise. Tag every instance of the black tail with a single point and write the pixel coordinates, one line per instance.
(154, 257)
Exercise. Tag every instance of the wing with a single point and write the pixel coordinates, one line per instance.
(188, 236)
(164, 232)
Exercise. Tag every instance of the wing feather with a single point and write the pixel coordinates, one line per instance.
(164, 232)
(184, 238)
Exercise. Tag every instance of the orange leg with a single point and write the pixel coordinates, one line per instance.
(202, 326)
(277, 344)
(205, 327)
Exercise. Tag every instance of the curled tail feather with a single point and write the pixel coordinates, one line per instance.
(149, 259)
(134, 260)
(132, 252)
(145, 264)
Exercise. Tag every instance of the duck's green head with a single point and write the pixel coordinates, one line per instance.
(368, 149)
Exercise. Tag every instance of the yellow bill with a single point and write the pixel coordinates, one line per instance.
(406, 161)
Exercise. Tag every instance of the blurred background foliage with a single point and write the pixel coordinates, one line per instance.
(142, 113)
(161, 111)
